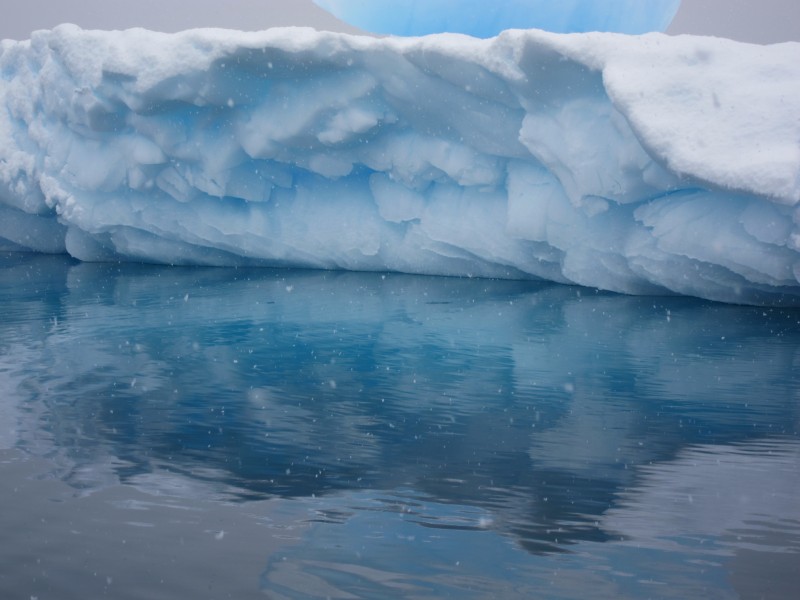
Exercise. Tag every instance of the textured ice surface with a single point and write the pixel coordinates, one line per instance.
(645, 164)
(484, 18)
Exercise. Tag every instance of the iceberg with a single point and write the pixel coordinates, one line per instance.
(637, 164)
(474, 17)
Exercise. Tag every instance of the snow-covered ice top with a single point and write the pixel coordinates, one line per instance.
(487, 18)
(640, 164)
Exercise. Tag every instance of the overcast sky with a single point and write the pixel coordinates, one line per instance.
(761, 21)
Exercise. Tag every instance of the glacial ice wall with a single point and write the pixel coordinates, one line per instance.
(648, 164)
(473, 17)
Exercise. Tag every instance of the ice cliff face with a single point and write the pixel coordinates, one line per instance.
(486, 19)
(637, 164)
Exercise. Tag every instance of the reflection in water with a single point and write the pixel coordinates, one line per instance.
(417, 426)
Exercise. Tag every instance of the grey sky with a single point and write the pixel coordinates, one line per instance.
(761, 21)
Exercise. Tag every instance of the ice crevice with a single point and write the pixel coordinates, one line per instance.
(638, 164)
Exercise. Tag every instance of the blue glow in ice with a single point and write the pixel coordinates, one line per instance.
(482, 18)
(629, 163)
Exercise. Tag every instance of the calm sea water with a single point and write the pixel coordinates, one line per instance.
(245, 433)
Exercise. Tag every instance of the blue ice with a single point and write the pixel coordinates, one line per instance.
(629, 163)
(486, 19)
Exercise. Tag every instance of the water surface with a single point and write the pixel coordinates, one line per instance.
(237, 433)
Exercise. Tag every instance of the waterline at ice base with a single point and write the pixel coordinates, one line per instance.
(638, 164)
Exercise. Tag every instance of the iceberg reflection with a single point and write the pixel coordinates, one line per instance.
(412, 406)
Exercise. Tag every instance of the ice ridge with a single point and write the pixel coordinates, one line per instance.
(642, 165)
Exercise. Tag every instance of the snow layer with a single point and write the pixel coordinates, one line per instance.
(645, 164)
(422, 17)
